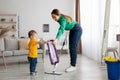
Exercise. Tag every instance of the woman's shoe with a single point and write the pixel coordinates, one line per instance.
(70, 69)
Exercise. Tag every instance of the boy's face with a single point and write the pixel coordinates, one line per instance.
(35, 36)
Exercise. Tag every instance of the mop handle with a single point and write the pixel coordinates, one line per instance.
(64, 40)
(55, 67)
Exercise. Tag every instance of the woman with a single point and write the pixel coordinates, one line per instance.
(67, 23)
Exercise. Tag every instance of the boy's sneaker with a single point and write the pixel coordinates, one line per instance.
(32, 73)
(70, 69)
(36, 72)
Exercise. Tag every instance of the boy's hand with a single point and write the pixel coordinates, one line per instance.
(45, 42)
(42, 42)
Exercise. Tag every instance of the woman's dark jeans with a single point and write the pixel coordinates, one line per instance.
(74, 38)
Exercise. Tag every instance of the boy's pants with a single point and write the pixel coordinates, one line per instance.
(74, 37)
(33, 63)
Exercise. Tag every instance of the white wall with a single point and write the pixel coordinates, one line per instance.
(34, 13)
(114, 24)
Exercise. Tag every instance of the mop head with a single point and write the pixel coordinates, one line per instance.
(54, 59)
(53, 54)
(53, 73)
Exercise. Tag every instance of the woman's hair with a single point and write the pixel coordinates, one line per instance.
(31, 32)
(57, 12)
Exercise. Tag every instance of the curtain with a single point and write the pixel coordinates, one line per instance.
(77, 16)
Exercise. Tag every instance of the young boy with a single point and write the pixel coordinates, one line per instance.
(33, 52)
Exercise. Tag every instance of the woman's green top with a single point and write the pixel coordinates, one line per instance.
(64, 25)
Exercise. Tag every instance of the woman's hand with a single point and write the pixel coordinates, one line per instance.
(55, 42)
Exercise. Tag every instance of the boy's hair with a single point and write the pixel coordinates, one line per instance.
(31, 32)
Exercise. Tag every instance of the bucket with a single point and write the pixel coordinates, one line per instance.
(113, 69)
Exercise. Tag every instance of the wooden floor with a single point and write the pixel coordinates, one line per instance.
(18, 69)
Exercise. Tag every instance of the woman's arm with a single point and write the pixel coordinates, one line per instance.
(61, 29)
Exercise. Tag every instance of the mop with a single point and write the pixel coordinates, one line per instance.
(53, 55)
